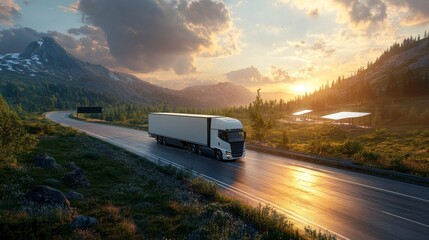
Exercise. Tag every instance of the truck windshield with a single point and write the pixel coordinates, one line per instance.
(237, 136)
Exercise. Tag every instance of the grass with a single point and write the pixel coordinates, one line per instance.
(403, 149)
(131, 198)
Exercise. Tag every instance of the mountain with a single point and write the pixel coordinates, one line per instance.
(45, 63)
(395, 88)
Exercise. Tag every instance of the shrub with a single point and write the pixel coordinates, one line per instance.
(367, 157)
(14, 139)
(351, 147)
(321, 147)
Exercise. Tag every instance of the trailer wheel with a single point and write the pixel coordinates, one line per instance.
(199, 151)
(164, 141)
(194, 148)
(158, 140)
(219, 155)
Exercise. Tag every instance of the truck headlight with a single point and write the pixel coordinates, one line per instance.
(228, 155)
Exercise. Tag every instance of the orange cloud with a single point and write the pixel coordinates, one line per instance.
(9, 10)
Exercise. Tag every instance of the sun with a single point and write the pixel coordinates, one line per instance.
(300, 89)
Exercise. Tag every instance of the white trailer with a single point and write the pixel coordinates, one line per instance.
(223, 136)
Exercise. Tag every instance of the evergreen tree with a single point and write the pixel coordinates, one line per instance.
(262, 117)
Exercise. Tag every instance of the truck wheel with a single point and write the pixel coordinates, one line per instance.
(158, 139)
(194, 148)
(199, 151)
(164, 141)
(219, 155)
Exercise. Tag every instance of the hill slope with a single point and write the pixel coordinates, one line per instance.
(44, 62)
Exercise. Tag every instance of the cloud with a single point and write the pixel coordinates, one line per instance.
(416, 11)
(73, 7)
(252, 77)
(358, 14)
(180, 83)
(313, 13)
(205, 15)
(153, 35)
(271, 30)
(279, 75)
(364, 14)
(89, 44)
(9, 11)
(367, 14)
(14, 40)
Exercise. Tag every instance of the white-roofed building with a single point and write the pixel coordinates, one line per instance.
(345, 116)
(301, 115)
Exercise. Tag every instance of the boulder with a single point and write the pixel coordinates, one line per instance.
(71, 166)
(52, 182)
(46, 195)
(45, 161)
(72, 195)
(76, 178)
(82, 221)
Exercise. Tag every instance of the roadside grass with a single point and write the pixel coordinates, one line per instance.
(403, 149)
(130, 197)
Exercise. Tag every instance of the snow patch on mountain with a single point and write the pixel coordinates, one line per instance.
(14, 63)
(113, 76)
(40, 42)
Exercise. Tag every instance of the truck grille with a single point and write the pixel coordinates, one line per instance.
(237, 149)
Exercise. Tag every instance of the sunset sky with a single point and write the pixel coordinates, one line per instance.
(291, 46)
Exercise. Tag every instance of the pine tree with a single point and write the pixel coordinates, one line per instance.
(262, 117)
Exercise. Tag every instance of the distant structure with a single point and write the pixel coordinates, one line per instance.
(345, 117)
(89, 110)
(301, 115)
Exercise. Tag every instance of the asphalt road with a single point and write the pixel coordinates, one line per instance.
(348, 204)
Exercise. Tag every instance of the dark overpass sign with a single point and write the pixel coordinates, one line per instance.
(89, 110)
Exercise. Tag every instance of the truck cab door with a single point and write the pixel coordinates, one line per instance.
(222, 142)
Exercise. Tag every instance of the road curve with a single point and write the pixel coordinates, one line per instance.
(350, 205)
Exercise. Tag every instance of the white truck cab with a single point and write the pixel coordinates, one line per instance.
(228, 137)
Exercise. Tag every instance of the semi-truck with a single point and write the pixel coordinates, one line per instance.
(224, 137)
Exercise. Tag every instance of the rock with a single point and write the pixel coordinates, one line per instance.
(82, 221)
(72, 195)
(76, 178)
(71, 166)
(46, 195)
(43, 160)
(52, 182)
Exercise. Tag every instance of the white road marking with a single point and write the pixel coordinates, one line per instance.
(406, 219)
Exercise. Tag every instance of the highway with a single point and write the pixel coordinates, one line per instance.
(350, 205)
